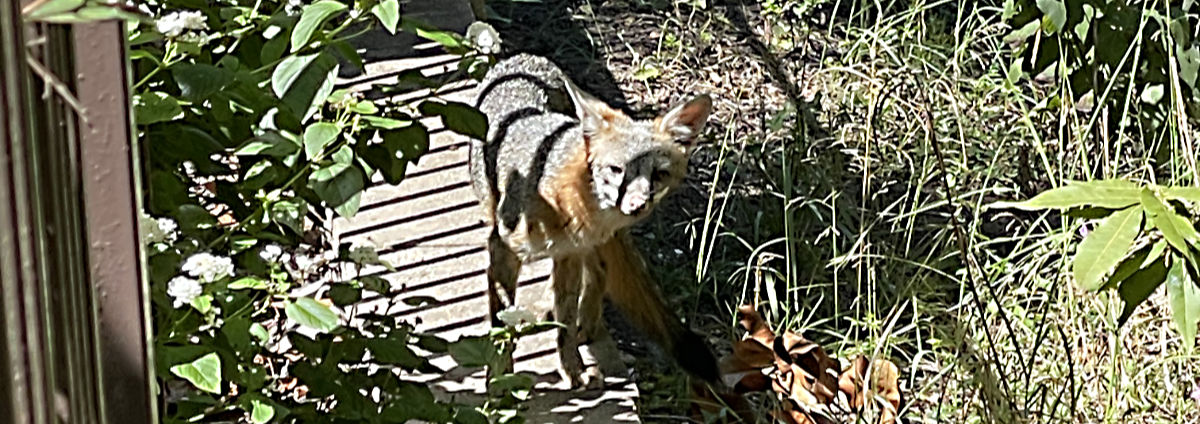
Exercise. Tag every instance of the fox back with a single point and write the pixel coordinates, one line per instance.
(560, 170)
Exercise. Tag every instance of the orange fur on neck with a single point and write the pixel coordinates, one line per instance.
(572, 194)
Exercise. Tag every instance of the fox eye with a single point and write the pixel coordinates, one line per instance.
(661, 174)
(614, 169)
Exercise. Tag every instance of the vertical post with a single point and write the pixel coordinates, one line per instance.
(112, 202)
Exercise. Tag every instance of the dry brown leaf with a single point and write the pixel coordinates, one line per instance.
(884, 385)
(820, 371)
(755, 325)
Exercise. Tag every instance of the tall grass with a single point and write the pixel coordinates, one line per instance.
(868, 227)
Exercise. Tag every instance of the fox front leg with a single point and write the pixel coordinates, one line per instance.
(593, 333)
(503, 269)
(567, 281)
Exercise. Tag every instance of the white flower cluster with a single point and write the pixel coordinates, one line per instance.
(157, 230)
(175, 24)
(208, 267)
(515, 314)
(182, 290)
(484, 37)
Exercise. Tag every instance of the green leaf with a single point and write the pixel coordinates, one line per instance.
(1187, 194)
(385, 123)
(350, 207)
(202, 303)
(289, 213)
(1152, 94)
(313, 314)
(198, 81)
(419, 300)
(318, 136)
(458, 117)
(53, 7)
(336, 184)
(311, 19)
(376, 284)
(261, 412)
(1056, 14)
(475, 351)
(155, 106)
(253, 283)
(1111, 194)
(1177, 230)
(344, 294)
(1105, 246)
(388, 12)
(394, 351)
(1135, 289)
(451, 41)
(260, 333)
(1185, 303)
(274, 143)
(399, 147)
(304, 82)
(204, 373)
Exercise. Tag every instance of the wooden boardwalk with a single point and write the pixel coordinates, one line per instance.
(430, 227)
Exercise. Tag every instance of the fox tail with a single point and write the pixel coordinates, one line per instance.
(629, 287)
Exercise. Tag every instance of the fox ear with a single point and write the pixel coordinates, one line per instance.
(684, 122)
(594, 115)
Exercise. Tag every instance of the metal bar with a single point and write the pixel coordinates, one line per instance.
(107, 151)
(26, 391)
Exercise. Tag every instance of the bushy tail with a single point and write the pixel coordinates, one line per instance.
(630, 288)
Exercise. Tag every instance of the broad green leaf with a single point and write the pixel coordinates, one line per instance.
(1056, 14)
(398, 148)
(53, 7)
(337, 186)
(1185, 302)
(384, 123)
(1105, 246)
(376, 284)
(155, 106)
(311, 19)
(253, 283)
(198, 81)
(260, 333)
(261, 412)
(1111, 194)
(289, 213)
(237, 332)
(274, 143)
(202, 303)
(1189, 63)
(388, 13)
(318, 136)
(458, 117)
(1139, 286)
(304, 82)
(344, 294)
(451, 41)
(473, 351)
(394, 351)
(1178, 231)
(1187, 194)
(313, 314)
(419, 300)
(204, 373)
(349, 208)
(1020, 34)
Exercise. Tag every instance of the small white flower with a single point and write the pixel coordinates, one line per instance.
(486, 43)
(208, 267)
(183, 290)
(175, 24)
(304, 262)
(293, 7)
(160, 230)
(515, 314)
(364, 252)
(270, 252)
(485, 38)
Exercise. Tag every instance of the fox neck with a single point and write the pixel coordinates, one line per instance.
(574, 198)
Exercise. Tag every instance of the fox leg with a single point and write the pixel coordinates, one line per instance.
(503, 269)
(566, 281)
(592, 331)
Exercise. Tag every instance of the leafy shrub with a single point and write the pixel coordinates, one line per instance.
(245, 145)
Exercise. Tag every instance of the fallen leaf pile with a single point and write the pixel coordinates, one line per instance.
(811, 387)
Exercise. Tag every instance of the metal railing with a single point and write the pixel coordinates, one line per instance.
(73, 307)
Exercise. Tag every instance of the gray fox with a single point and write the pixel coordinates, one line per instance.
(563, 175)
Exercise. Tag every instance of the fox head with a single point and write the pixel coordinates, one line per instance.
(634, 163)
